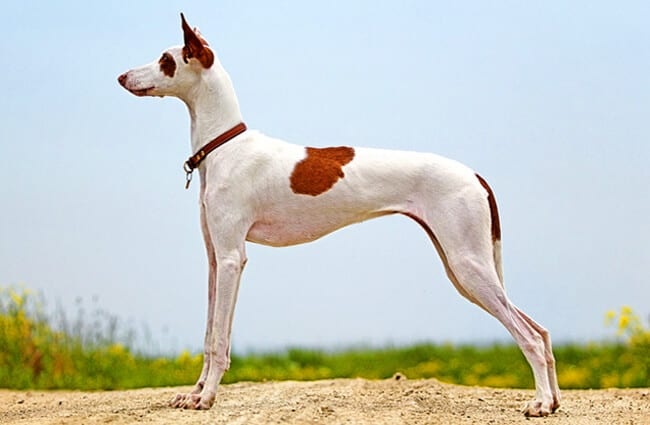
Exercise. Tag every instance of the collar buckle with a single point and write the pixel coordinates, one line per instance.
(187, 167)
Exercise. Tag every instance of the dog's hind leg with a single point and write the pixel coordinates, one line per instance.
(466, 243)
(481, 283)
(550, 358)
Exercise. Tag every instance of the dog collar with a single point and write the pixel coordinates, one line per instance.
(195, 160)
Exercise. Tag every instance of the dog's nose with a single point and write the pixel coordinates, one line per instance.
(122, 79)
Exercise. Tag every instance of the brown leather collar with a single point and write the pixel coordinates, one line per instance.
(195, 160)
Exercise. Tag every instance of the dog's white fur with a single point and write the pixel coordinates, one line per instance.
(245, 195)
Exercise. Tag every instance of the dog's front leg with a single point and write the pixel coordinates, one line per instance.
(212, 297)
(185, 400)
(217, 342)
(223, 286)
(229, 270)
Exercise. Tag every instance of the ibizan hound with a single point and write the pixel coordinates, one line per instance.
(264, 190)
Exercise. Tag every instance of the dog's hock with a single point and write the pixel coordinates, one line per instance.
(195, 46)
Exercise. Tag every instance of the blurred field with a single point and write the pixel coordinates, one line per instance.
(43, 352)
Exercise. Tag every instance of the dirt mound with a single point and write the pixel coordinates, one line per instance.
(339, 401)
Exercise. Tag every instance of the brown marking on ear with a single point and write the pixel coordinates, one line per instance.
(167, 65)
(200, 36)
(320, 170)
(494, 212)
(195, 46)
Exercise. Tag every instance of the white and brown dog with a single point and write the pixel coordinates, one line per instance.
(264, 190)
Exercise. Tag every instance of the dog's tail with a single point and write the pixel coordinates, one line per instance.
(496, 228)
(497, 260)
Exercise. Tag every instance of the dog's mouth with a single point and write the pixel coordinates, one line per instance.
(141, 92)
(123, 80)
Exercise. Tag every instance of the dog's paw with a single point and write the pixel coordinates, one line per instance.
(203, 401)
(185, 401)
(538, 408)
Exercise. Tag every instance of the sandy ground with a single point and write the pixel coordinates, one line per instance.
(340, 401)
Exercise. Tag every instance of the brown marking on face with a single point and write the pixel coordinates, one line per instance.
(494, 212)
(167, 64)
(320, 170)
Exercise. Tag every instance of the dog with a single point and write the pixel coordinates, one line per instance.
(263, 190)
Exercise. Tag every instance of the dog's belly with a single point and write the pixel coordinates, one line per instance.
(283, 234)
(295, 230)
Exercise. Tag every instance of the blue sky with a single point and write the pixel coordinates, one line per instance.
(548, 101)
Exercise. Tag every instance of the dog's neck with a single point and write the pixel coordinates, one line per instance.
(213, 106)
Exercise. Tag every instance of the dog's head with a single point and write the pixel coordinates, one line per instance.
(176, 71)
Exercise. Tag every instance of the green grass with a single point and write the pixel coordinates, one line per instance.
(80, 354)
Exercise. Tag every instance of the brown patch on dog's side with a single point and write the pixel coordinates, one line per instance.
(167, 64)
(320, 170)
(494, 212)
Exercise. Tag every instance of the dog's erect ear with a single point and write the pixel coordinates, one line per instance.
(195, 46)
